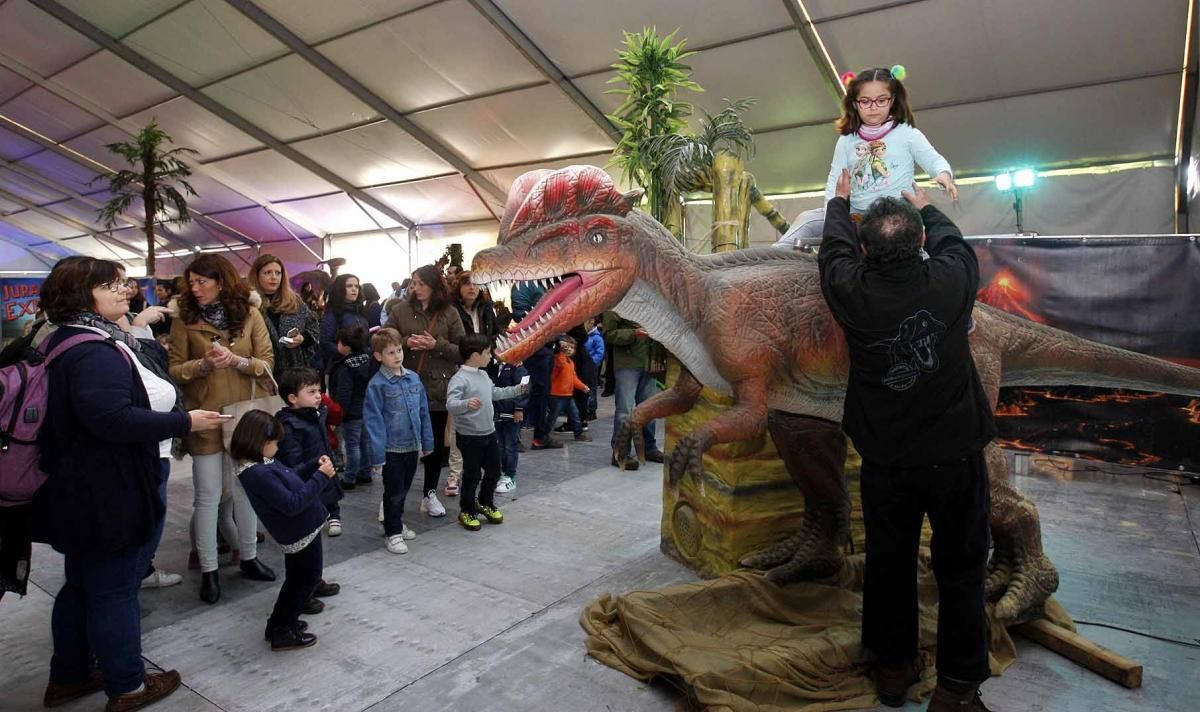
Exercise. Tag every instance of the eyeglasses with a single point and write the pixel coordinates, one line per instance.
(116, 286)
(866, 103)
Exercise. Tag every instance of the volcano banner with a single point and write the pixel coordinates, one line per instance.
(1139, 294)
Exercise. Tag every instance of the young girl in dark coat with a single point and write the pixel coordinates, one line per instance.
(288, 503)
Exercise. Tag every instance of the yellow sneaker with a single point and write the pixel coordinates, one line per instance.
(491, 514)
(469, 521)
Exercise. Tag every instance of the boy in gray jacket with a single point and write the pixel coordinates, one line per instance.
(469, 399)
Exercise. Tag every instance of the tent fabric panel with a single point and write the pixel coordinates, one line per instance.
(260, 226)
(517, 127)
(581, 37)
(11, 84)
(436, 200)
(1012, 46)
(379, 153)
(274, 176)
(192, 126)
(13, 146)
(50, 116)
(114, 84)
(290, 98)
(441, 53)
(62, 170)
(118, 17)
(26, 188)
(318, 20)
(38, 40)
(338, 213)
(204, 40)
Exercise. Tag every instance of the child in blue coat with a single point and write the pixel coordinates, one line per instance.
(288, 503)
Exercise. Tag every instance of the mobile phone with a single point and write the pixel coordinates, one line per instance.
(524, 380)
(293, 333)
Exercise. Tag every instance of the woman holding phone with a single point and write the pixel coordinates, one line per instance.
(293, 328)
(220, 353)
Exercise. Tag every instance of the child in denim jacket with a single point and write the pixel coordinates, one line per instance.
(398, 431)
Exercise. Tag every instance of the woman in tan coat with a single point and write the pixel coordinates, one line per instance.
(220, 353)
(431, 328)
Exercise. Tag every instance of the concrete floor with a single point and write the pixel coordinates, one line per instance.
(490, 619)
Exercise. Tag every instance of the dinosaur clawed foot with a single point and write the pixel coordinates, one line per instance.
(629, 433)
(812, 553)
(686, 459)
(1019, 583)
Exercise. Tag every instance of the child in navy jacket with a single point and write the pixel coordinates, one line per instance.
(305, 439)
(348, 384)
(288, 503)
(509, 416)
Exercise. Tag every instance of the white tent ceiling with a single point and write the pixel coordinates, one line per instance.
(326, 118)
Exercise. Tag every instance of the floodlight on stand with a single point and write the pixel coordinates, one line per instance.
(1004, 181)
(1017, 180)
(1023, 178)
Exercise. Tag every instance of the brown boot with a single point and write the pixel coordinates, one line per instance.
(953, 698)
(892, 681)
(60, 693)
(158, 686)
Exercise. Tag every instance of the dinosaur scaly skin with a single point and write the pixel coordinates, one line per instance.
(754, 324)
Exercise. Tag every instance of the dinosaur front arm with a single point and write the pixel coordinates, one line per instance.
(678, 399)
(746, 419)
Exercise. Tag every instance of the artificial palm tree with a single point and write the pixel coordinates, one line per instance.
(157, 178)
(713, 161)
(652, 71)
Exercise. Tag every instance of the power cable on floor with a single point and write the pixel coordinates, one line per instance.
(1176, 641)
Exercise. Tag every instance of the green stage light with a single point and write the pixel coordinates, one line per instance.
(1004, 181)
(1024, 178)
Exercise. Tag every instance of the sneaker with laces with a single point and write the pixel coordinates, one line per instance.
(407, 533)
(396, 545)
(334, 527)
(431, 506)
(491, 514)
(506, 485)
(583, 437)
(161, 579)
(469, 521)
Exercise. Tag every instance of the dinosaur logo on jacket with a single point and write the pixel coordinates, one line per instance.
(913, 351)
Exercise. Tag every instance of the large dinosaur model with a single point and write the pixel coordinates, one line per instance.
(753, 323)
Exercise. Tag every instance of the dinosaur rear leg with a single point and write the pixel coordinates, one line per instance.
(679, 398)
(1020, 576)
(814, 452)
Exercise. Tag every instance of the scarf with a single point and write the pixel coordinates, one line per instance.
(215, 314)
(95, 321)
(874, 133)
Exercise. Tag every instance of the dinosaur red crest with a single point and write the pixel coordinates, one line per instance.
(543, 198)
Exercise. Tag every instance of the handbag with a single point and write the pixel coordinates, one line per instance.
(268, 401)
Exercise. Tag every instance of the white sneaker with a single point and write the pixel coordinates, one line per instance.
(506, 485)
(407, 533)
(381, 511)
(161, 579)
(431, 506)
(334, 528)
(396, 544)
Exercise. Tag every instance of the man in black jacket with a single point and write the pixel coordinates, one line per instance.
(918, 415)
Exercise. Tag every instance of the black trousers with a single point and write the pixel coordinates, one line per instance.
(956, 497)
(399, 470)
(479, 452)
(441, 449)
(540, 367)
(302, 574)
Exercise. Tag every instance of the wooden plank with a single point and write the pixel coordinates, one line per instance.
(1073, 646)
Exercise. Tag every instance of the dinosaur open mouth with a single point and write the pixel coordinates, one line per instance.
(562, 291)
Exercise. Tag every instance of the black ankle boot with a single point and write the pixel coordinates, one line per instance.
(210, 587)
(256, 570)
(300, 626)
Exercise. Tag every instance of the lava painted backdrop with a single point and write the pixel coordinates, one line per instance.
(1139, 294)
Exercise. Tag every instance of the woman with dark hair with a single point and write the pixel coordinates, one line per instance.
(431, 329)
(474, 307)
(344, 310)
(110, 414)
(294, 330)
(220, 353)
(374, 310)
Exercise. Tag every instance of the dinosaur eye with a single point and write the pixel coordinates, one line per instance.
(596, 237)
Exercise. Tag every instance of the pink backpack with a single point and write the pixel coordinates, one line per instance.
(24, 390)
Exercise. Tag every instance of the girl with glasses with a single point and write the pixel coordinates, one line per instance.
(880, 144)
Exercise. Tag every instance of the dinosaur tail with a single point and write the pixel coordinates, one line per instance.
(1039, 355)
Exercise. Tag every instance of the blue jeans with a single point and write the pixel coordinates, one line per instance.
(97, 613)
(559, 405)
(633, 385)
(510, 434)
(358, 454)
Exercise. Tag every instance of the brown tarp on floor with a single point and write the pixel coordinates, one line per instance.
(742, 643)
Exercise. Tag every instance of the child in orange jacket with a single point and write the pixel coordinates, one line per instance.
(563, 383)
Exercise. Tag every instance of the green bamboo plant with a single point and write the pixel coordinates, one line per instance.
(652, 74)
(713, 161)
(157, 178)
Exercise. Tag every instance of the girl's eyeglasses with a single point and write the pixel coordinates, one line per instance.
(866, 103)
